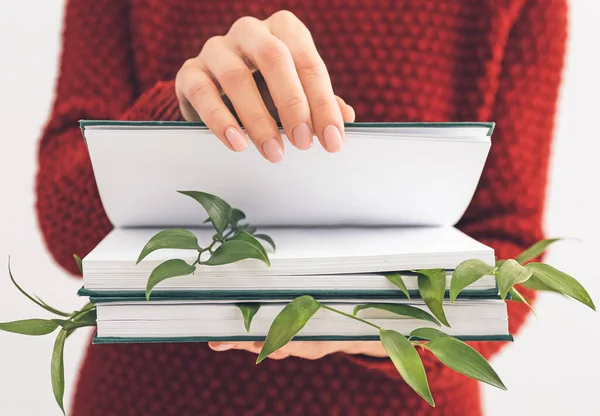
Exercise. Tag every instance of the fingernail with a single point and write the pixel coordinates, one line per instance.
(222, 347)
(333, 138)
(236, 139)
(272, 150)
(303, 137)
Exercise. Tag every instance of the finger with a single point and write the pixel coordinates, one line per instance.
(280, 354)
(372, 348)
(309, 350)
(326, 116)
(201, 99)
(235, 78)
(274, 60)
(347, 111)
(221, 346)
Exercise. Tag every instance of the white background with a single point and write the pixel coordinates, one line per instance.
(551, 369)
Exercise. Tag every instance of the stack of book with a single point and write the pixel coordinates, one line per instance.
(341, 223)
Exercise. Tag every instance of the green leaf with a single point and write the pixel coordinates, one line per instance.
(535, 250)
(287, 324)
(87, 306)
(50, 308)
(535, 284)
(510, 274)
(166, 270)
(29, 327)
(499, 263)
(248, 311)
(396, 279)
(246, 227)
(57, 368)
(398, 309)
(39, 302)
(517, 297)
(432, 287)
(465, 360)
(172, 238)
(86, 317)
(249, 238)
(561, 282)
(236, 250)
(466, 273)
(236, 216)
(218, 210)
(407, 361)
(428, 333)
(430, 272)
(70, 325)
(79, 262)
(268, 239)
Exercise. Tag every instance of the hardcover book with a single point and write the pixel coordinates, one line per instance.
(387, 203)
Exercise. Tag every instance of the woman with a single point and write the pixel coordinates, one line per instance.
(393, 61)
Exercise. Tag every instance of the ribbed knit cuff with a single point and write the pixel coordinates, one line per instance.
(159, 103)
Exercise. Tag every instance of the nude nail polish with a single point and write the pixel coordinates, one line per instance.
(272, 150)
(236, 139)
(333, 138)
(302, 136)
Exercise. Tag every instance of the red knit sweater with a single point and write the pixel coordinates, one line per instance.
(427, 60)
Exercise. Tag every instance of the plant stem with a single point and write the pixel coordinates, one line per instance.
(209, 248)
(356, 318)
(418, 344)
(77, 314)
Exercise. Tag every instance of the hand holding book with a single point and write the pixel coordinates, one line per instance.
(299, 89)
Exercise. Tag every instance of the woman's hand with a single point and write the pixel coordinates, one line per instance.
(310, 350)
(282, 49)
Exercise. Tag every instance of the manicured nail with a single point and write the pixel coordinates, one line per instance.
(303, 137)
(272, 150)
(333, 138)
(236, 139)
(222, 347)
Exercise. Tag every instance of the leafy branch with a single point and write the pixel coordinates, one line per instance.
(234, 241)
(231, 242)
(86, 316)
(402, 350)
(452, 352)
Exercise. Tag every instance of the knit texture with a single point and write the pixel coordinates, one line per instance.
(435, 60)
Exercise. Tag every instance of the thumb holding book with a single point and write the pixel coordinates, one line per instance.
(267, 69)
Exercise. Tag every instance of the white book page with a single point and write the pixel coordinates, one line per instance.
(301, 251)
(400, 178)
(331, 282)
(200, 311)
(487, 317)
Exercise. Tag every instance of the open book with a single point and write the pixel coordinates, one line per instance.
(336, 261)
(387, 174)
(387, 203)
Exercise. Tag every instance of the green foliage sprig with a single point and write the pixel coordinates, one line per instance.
(234, 241)
(86, 316)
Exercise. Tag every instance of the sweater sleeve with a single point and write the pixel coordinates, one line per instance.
(506, 210)
(96, 81)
